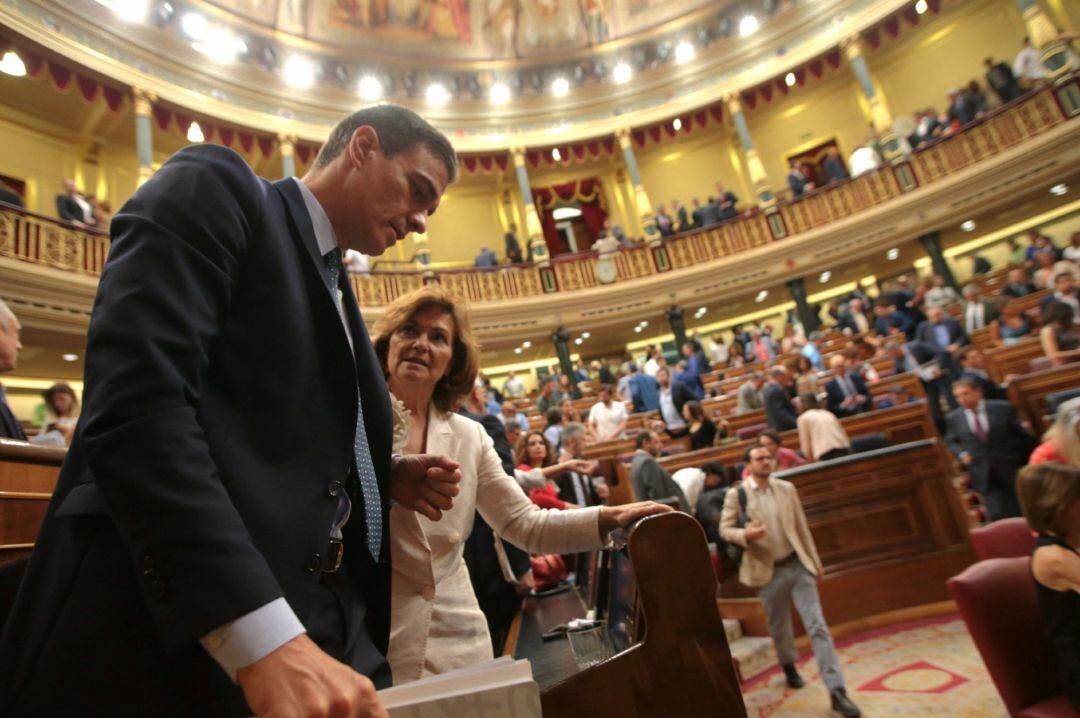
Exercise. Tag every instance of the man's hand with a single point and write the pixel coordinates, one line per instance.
(755, 531)
(525, 584)
(613, 517)
(425, 483)
(299, 680)
(965, 459)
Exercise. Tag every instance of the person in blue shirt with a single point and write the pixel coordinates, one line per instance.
(812, 350)
(644, 391)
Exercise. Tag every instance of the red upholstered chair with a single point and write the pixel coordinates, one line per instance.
(997, 601)
(750, 432)
(1008, 538)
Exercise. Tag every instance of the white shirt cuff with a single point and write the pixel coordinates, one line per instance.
(252, 636)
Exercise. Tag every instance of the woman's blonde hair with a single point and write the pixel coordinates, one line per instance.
(1045, 491)
(456, 384)
(1065, 431)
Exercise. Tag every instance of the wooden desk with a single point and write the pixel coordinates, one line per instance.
(28, 476)
(552, 661)
(888, 526)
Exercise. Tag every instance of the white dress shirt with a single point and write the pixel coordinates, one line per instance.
(255, 635)
(769, 512)
(974, 316)
(670, 414)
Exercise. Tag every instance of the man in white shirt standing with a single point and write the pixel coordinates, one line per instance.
(977, 313)
(1027, 67)
(513, 388)
(781, 562)
(607, 418)
(821, 436)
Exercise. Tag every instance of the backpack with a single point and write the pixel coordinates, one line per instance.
(734, 551)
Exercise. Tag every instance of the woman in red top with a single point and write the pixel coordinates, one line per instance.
(535, 454)
(1061, 443)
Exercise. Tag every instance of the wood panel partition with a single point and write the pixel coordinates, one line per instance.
(1029, 391)
(888, 526)
(28, 476)
(683, 667)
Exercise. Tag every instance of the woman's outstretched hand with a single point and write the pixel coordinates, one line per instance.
(621, 516)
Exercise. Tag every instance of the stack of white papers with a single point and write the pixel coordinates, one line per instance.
(495, 689)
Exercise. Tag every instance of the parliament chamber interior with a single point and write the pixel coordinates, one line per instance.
(756, 321)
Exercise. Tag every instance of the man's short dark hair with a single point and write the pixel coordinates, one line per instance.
(969, 382)
(642, 438)
(755, 445)
(715, 468)
(512, 426)
(399, 130)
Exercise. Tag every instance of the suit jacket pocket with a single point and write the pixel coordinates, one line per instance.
(83, 500)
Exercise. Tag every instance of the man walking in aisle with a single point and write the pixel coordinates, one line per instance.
(781, 561)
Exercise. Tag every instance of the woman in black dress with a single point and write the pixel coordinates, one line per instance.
(1050, 498)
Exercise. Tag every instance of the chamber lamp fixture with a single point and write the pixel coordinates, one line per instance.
(129, 10)
(677, 124)
(499, 94)
(526, 344)
(12, 64)
(761, 296)
(1057, 190)
(825, 277)
(789, 79)
(921, 7)
(748, 26)
(560, 87)
(622, 73)
(892, 254)
(684, 52)
(299, 72)
(968, 226)
(70, 357)
(195, 133)
(194, 25)
(437, 95)
(556, 155)
(370, 89)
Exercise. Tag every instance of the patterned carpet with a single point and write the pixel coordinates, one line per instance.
(921, 668)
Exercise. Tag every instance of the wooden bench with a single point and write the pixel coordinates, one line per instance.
(28, 476)
(888, 525)
(1014, 359)
(1028, 392)
(900, 424)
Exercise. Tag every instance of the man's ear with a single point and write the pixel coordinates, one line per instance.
(363, 144)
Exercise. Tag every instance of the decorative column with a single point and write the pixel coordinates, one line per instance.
(880, 117)
(674, 317)
(932, 243)
(758, 178)
(641, 198)
(422, 257)
(533, 231)
(807, 316)
(1054, 52)
(144, 133)
(561, 339)
(287, 143)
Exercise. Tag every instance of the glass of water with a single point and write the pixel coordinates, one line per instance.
(590, 644)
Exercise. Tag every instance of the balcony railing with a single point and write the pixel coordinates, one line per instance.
(42, 240)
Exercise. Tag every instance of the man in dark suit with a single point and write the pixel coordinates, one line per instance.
(10, 428)
(924, 360)
(512, 245)
(847, 392)
(727, 202)
(1018, 285)
(651, 481)
(72, 206)
(1065, 291)
(976, 313)
(972, 366)
(990, 443)
(855, 318)
(888, 320)
(779, 409)
(834, 166)
(942, 331)
(217, 543)
(798, 181)
(1001, 79)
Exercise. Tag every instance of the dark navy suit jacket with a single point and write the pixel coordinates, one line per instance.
(217, 430)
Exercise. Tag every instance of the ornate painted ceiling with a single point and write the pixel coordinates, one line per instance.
(492, 73)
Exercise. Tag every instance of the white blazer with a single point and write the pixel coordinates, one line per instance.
(435, 623)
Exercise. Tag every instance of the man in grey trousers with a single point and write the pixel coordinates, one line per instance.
(781, 561)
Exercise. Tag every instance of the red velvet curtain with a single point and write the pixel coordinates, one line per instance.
(589, 196)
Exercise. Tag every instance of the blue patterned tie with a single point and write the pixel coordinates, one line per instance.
(365, 467)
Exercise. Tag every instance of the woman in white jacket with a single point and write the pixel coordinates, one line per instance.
(425, 345)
